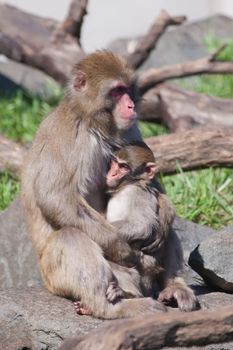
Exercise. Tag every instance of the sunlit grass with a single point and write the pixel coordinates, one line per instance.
(21, 115)
(152, 129)
(9, 188)
(204, 196)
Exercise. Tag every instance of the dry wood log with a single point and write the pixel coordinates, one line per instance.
(193, 149)
(11, 156)
(158, 331)
(28, 32)
(181, 110)
(209, 64)
(148, 42)
(34, 41)
(72, 24)
(150, 106)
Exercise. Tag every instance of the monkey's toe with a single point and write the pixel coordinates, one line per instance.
(81, 309)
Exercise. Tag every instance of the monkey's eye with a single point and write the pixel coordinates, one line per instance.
(118, 91)
(123, 166)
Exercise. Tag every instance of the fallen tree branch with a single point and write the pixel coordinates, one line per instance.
(158, 331)
(33, 40)
(207, 64)
(148, 42)
(194, 149)
(180, 110)
(72, 24)
(11, 156)
(27, 31)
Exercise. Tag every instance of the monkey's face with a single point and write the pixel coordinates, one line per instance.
(103, 82)
(117, 172)
(124, 112)
(134, 162)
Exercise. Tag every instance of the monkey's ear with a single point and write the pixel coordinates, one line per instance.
(79, 81)
(150, 170)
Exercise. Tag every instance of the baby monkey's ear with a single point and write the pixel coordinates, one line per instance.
(150, 169)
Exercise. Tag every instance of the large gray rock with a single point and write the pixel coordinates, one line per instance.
(35, 319)
(32, 318)
(212, 260)
(14, 75)
(18, 266)
(186, 42)
(190, 235)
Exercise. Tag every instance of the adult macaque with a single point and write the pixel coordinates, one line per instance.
(144, 216)
(63, 183)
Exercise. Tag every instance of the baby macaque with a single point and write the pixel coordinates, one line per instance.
(143, 216)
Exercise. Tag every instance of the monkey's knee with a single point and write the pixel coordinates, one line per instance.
(129, 280)
(73, 266)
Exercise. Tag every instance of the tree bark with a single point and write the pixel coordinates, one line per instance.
(147, 43)
(158, 331)
(180, 110)
(194, 149)
(209, 64)
(29, 32)
(41, 43)
(72, 24)
(11, 156)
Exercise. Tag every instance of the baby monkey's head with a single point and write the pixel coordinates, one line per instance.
(131, 163)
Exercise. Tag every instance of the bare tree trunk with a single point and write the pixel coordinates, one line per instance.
(147, 43)
(181, 110)
(209, 64)
(194, 149)
(158, 331)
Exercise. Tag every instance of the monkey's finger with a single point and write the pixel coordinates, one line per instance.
(151, 248)
(113, 292)
(186, 300)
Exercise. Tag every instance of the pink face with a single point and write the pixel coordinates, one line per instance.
(117, 170)
(124, 112)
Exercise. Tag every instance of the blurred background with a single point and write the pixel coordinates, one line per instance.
(134, 15)
(29, 91)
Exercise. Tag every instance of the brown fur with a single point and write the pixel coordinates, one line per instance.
(144, 217)
(62, 191)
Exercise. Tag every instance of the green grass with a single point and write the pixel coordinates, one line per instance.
(9, 188)
(19, 119)
(216, 85)
(152, 129)
(21, 115)
(204, 196)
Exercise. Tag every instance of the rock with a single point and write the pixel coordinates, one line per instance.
(14, 75)
(32, 318)
(190, 235)
(212, 260)
(18, 266)
(35, 319)
(182, 43)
